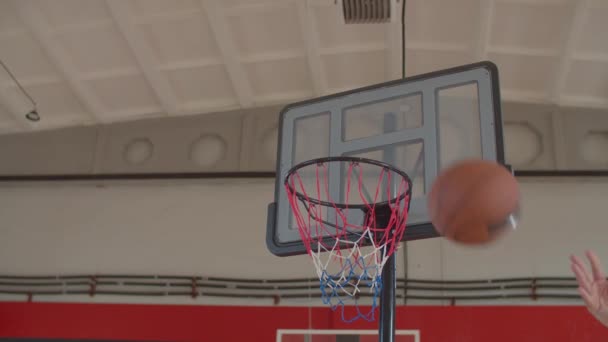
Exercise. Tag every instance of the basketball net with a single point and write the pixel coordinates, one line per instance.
(349, 242)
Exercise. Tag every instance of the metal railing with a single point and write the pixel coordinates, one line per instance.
(558, 288)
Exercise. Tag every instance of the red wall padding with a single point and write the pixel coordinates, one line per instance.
(231, 323)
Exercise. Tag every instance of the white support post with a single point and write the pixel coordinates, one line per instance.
(486, 19)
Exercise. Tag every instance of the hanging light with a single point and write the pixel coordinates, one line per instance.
(31, 115)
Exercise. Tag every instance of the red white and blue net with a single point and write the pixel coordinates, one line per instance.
(349, 241)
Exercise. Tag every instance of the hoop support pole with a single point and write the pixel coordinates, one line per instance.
(386, 325)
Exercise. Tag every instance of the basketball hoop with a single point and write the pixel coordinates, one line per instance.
(350, 239)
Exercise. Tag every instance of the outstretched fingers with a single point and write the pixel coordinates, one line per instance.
(582, 276)
(596, 266)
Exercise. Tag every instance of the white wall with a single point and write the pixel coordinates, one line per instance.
(559, 217)
(214, 228)
(217, 228)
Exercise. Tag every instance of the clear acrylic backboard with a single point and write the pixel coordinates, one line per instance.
(419, 124)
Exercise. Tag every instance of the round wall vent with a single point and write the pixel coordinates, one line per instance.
(594, 148)
(138, 151)
(208, 150)
(523, 144)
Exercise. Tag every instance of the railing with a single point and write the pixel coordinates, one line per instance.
(532, 289)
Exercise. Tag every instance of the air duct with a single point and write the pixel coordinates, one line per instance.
(366, 11)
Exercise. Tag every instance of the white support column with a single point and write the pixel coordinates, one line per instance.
(568, 49)
(224, 39)
(394, 41)
(310, 35)
(144, 55)
(36, 23)
(486, 18)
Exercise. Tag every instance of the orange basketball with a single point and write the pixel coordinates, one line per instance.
(474, 202)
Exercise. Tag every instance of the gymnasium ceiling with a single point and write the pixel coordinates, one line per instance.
(101, 61)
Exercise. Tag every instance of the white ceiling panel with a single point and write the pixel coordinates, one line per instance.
(531, 26)
(9, 21)
(97, 49)
(588, 79)
(253, 27)
(25, 58)
(535, 74)
(442, 21)
(124, 93)
(162, 7)
(265, 83)
(369, 66)
(182, 38)
(595, 26)
(194, 85)
(105, 61)
(422, 61)
(255, 4)
(61, 13)
(58, 101)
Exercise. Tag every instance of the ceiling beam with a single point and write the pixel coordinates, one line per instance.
(310, 34)
(438, 47)
(524, 96)
(173, 15)
(230, 54)
(536, 2)
(522, 51)
(273, 56)
(591, 57)
(40, 29)
(568, 49)
(144, 54)
(486, 18)
(282, 98)
(83, 26)
(191, 64)
(258, 6)
(110, 73)
(584, 101)
(31, 81)
(210, 106)
(358, 48)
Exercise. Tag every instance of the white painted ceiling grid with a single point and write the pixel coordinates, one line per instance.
(101, 61)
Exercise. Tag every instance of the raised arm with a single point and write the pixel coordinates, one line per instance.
(593, 286)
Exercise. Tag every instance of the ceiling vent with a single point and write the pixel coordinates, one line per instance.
(366, 11)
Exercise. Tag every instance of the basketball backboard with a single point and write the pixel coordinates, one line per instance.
(419, 124)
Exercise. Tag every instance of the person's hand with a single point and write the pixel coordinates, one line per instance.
(592, 287)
